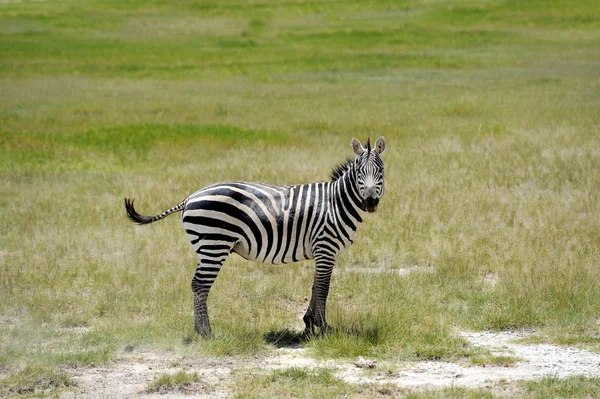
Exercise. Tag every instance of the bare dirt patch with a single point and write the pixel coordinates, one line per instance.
(130, 375)
(536, 362)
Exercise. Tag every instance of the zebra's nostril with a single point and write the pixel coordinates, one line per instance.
(370, 204)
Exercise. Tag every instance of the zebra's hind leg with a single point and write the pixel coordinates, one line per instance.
(210, 260)
(201, 322)
(315, 314)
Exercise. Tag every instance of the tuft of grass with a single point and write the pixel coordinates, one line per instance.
(295, 381)
(451, 393)
(231, 343)
(571, 387)
(493, 360)
(165, 383)
(38, 380)
(584, 335)
(317, 376)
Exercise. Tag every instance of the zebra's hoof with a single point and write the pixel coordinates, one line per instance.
(311, 331)
(326, 329)
(204, 332)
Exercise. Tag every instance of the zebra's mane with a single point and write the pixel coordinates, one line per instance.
(341, 168)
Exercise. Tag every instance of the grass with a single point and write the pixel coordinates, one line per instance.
(491, 114)
(294, 382)
(35, 380)
(573, 387)
(165, 383)
(299, 382)
(453, 393)
(585, 336)
(491, 360)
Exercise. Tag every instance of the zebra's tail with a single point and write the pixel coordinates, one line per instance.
(141, 219)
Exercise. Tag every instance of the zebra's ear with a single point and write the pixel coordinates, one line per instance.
(380, 145)
(357, 147)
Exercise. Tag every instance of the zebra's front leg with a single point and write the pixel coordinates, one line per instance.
(315, 314)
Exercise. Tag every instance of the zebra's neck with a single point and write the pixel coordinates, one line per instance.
(345, 199)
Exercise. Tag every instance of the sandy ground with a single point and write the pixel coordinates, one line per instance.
(131, 373)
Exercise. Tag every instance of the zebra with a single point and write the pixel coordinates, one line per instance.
(278, 224)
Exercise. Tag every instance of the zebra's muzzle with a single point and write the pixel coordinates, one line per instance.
(370, 204)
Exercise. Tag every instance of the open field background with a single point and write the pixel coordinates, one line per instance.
(491, 113)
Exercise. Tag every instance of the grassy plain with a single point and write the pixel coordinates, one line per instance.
(490, 109)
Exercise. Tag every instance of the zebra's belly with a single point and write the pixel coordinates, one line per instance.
(274, 258)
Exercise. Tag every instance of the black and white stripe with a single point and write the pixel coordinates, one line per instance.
(278, 224)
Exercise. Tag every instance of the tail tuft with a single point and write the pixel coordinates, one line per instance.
(134, 216)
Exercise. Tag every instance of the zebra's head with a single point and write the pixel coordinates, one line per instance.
(369, 172)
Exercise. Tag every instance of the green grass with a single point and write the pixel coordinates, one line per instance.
(165, 383)
(490, 360)
(573, 387)
(293, 382)
(451, 393)
(490, 111)
(141, 40)
(299, 382)
(34, 380)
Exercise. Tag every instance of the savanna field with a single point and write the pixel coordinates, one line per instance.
(490, 221)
